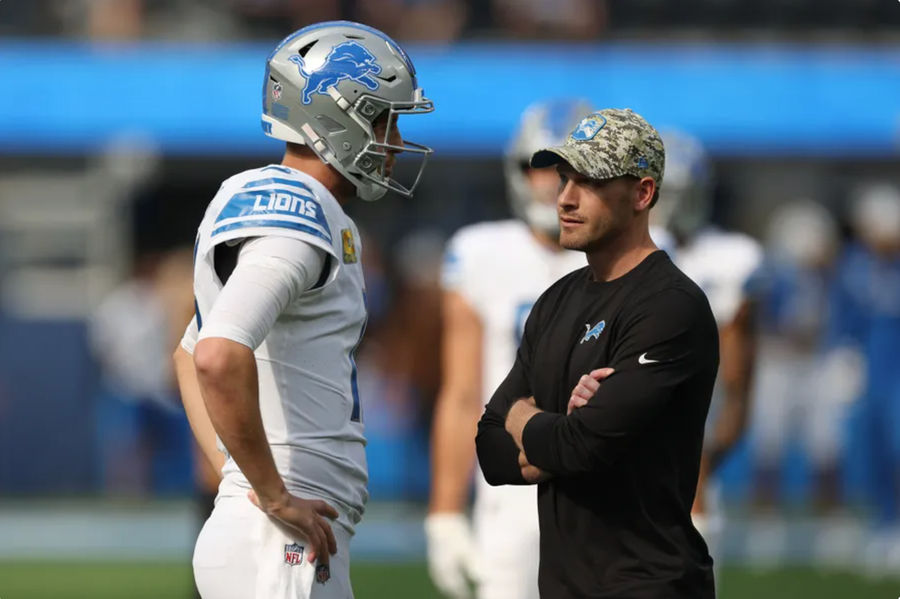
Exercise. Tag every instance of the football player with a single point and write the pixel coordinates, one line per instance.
(493, 273)
(726, 266)
(267, 365)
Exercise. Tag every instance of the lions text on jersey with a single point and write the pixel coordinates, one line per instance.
(308, 390)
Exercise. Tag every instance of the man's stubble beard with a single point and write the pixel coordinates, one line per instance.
(591, 241)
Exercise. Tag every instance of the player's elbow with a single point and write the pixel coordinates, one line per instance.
(459, 400)
(215, 357)
(491, 460)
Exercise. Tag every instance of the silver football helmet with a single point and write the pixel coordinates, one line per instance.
(324, 87)
(685, 197)
(543, 124)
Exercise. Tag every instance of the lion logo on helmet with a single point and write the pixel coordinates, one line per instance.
(347, 60)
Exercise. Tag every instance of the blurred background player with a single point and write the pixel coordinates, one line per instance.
(865, 317)
(724, 264)
(493, 274)
(802, 386)
(280, 311)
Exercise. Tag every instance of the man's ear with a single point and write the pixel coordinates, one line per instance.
(646, 189)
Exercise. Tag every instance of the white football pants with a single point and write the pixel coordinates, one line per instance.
(243, 554)
(506, 531)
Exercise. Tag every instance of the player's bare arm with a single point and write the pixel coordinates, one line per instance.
(738, 356)
(458, 406)
(452, 553)
(195, 409)
(226, 372)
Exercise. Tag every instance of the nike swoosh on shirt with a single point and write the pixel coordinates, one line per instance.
(644, 360)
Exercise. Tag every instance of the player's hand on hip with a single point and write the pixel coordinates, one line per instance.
(531, 474)
(308, 517)
(586, 388)
(453, 560)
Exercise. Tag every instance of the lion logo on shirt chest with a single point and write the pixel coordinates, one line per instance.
(593, 332)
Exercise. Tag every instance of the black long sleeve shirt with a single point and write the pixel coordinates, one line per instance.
(615, 518)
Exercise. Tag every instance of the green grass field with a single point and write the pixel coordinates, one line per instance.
(66, 580)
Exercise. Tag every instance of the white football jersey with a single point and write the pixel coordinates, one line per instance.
(500, 269)
(722, 264)
(308, 391)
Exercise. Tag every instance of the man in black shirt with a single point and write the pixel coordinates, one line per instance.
(605, 405)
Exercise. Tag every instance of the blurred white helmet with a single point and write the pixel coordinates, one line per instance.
(803, 233)
(875, 214)
(684, 199)
(324, 87)
(543, 124)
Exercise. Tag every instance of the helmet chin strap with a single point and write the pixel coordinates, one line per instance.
(318, 144)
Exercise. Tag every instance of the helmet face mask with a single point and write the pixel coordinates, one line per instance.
(373, 160)
(543, 124)
(325, 87)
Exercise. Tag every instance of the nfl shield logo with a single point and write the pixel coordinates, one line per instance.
(276, 91)
(293, 554)
(323, 573)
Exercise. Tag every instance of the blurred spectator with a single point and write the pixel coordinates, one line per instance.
(102, 19)
(415, 20)
(800, 392)
(274, 18)
(116, 20)
(554, 19)
(142, 436)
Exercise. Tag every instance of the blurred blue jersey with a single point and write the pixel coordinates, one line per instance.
(865, 311)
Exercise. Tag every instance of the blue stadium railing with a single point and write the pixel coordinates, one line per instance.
(740, 99)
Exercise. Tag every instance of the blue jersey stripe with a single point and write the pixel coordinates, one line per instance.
(197, 314)
(278, 181)
(267, 203)
(282, 169)
(283, 224)
(355, 412)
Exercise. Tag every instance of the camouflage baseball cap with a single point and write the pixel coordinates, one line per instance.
(610, 143)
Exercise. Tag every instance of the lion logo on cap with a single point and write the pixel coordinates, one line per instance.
(589, 127)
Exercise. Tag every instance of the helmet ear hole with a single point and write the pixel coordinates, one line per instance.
(305, 49)
(331, 125)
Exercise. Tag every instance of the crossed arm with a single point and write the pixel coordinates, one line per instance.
(524, 409)
(603, 420)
